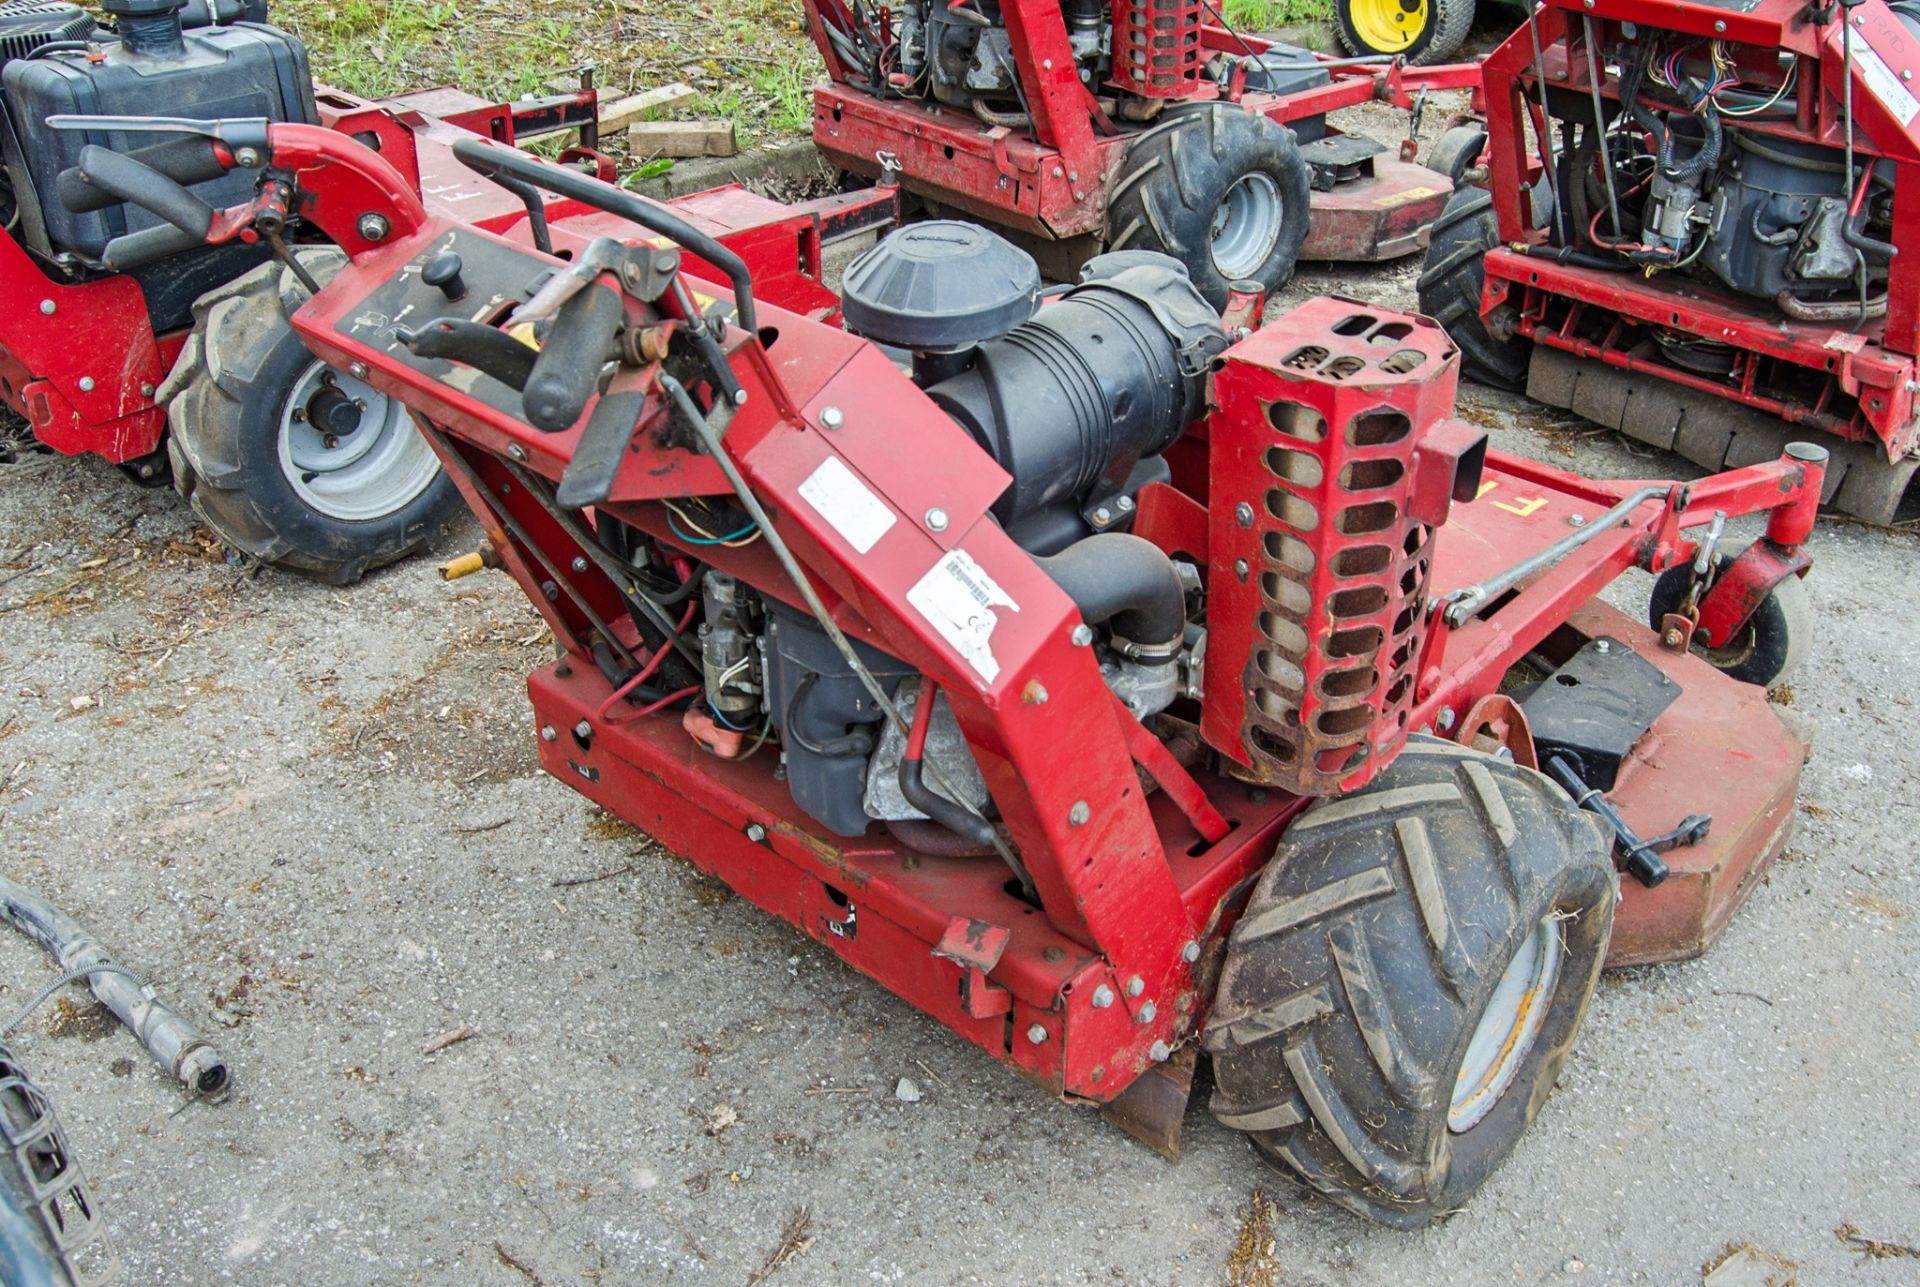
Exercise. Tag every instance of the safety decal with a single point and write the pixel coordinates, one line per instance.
(958, 598)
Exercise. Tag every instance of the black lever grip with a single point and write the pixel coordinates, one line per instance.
(188, 159)
(162, 241)
(577, 346)
(152, 191)
(475, 344)
(601, 449)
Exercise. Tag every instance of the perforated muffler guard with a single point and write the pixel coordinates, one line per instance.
(1318, 564)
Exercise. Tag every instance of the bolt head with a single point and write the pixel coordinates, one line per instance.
(146, 389)
(1124, 504)
(515, 450)
(1036, 1034)
(936, 519)
(1576, 520)
(1717, 26)
(1102, 997)
(583, 729)
(579, 563)
(86, 384)
(831, 418)
(48, 307)
(1190, 953)
(1445, 718)
(373, 227)
(1240, 569)
(1103, 516)
(1082, 635)
(1146, 1012)
(547, 733)
(1158, 1052)
(1078, 815)
(1243, 514)
(246, 157)
(358, 370)
(756, 832)
(1671, 638)
(1603, 645)
(1135, 986)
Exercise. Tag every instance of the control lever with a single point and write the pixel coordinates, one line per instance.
(1638, 858)
(475, 344)
(566, 374)
(129, 180)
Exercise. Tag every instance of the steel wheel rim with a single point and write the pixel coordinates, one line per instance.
(1388, 25)
(373, 471)
(1246, 227)
(1508, 1027)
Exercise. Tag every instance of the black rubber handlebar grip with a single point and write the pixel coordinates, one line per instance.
(567, 371)
(145, 187)
(187, 160)
(149, 245)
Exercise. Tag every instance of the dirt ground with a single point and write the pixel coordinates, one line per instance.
(313, 817)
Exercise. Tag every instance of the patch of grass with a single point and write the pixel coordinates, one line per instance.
(1264, 15)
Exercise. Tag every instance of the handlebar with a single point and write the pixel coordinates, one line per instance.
(567, 372)
(185, 160)
(492, 159)
(113, 176)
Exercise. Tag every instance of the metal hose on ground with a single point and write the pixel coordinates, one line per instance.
(175, 1044)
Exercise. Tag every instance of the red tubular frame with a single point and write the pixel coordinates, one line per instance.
(1132, 885)
(1868, 373)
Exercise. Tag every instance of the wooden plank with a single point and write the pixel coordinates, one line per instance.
(682, 139)
(620, 114)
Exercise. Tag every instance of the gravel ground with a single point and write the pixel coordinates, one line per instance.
(314, 818)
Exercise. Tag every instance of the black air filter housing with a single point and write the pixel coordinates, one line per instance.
(939, 286)
(26, 25)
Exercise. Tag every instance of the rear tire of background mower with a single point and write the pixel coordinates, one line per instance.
(1450, 286)
(1400, 939)
(1767, 650)
(1456, 151)
(1221, 189)
(1430, 32)
(230, 403)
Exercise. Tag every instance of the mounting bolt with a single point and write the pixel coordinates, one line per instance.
(1135, 986)
(146, 389)
(373, 227)
(1240, 568)
(756, 832)
(86, 384)
(1145, 1013)
(515, 450)
(1671, 639)
(1719, 25)
(1036, 1034)
(1906, 73)
(1445, 718)
(936, 519)
(583, 729)
(1057, 172)
(1603, 645)
(358, 370)
(579, 563)
(1124, 504)
(1103, 516)
(830, 418)
(1082, 635)
(1078, 815)
(1158, 1052)
(1190, 953)
(546, 733)
(48, 307)
(246, 157)
(1576, 520)
(549, 589)
(1102, 997)
(1243, 514)
(1046, 64)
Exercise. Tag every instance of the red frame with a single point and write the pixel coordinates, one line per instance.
(1866, 374)
(1053, 180)
(1131, 885)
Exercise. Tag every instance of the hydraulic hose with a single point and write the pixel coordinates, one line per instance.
(175, 1044)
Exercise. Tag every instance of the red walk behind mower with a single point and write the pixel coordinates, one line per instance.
(113, 321)
(1693, 230)
(1138, 689)
(1128, 125)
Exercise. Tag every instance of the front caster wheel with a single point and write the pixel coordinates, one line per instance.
(291, 462)
(1407, 980)
(1767, 649)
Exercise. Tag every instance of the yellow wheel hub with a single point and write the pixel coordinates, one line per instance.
(1388, 26)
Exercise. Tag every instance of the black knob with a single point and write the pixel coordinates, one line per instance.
(443, 271)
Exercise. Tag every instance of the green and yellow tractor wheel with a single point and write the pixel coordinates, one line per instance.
(1421, 31)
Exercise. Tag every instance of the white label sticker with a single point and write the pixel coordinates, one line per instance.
(957, 598)
(1886, 86)
(844, 501)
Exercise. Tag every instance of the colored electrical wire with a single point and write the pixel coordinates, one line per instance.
(701, 535)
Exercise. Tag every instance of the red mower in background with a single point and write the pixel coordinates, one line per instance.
(1706, 246)
(1129, 125)
(115, 324)
(1144, 680)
